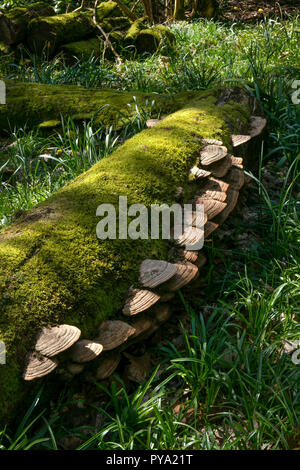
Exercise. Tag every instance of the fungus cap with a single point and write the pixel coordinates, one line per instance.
(189, 235)
(220, 168)
(113, 333)
(38, 366)
(52, 341)
(231, 200)
(239, 139)
(209, 228)
(141, 324)
(237, 161)
(211, 206)
(257, 125)
(212, 153)
(212, 142)
(85, 350)
(187, 255)
(107, 365)
(186, 272)
(236, 178)
(154, 272)
(199, 172)
(139, 300)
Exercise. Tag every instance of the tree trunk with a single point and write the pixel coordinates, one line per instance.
(42, 105)
(179, 10)
(13, 25)
(54, 270)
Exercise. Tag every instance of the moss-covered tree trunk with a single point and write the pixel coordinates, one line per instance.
(53, 31)
(13, 25)
(43, 105)
(54, 269)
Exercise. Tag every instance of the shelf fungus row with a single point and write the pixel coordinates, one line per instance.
(218, 176)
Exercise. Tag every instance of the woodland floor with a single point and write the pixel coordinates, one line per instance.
(247, 10)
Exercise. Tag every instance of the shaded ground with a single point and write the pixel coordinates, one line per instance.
(247, 10)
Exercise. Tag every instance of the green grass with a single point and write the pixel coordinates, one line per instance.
(232, 386)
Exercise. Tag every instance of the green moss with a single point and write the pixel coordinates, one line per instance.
(108, 9)
(83, 49)
(32, 11)
(149, 40)
(4, 49)
(35, 103)
(13, 24)
(53, 267)
(54, 31)
(111, 24)
(134, 30)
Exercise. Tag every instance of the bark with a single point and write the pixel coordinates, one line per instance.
(178, 10)
(13, 25)
(53, 269)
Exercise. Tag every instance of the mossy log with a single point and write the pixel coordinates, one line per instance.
(148, 39)
(54, 31)
(40, 105)
(13, 24)
(95, 47)
(54, 269)
(82, 49)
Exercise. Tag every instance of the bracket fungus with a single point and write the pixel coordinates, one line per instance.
(212, 153)
(186, 272)
(187, 255)
(56, 339)
(142, 324)
(235, 178)
(113, 333)
(138, 368)
(154, 272)
(257, 125)
(38, 366)
(237, 161)
(107, 365)
(212, 142)
(190, 235)
(85, 350)
(209, 228)
(212, 207)
(139, 300)
(239, 139)
(220, 168)
(231, 200)
(214, 189)
(199, 172)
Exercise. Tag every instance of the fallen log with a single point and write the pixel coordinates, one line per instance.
(58, 279)
(54, 31)
(42, 105)
(13, 24)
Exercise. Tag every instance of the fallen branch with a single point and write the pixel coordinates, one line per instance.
(107, 41)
